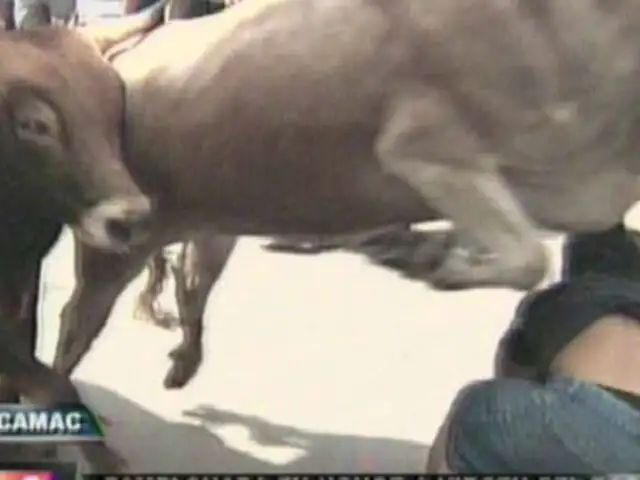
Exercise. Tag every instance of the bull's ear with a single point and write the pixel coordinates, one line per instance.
(109, 33)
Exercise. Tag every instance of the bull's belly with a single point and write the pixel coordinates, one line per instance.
(288, 202)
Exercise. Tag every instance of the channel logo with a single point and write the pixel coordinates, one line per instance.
(26, 475)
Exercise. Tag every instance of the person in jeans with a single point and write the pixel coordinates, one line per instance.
(566, 397)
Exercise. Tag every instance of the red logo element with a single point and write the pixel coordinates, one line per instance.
(26, 475)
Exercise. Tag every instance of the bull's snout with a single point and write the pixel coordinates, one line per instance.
(117, 224)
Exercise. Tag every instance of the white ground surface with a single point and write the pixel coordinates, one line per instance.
(313, 364)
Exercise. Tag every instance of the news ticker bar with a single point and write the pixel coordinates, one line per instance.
(362, 477)
(68, 471)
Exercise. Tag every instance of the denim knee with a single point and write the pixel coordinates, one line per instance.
(497, 425)
(519, 426)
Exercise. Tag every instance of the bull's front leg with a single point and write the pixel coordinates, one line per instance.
(43, 386)
(19, 293)
(19, 297)
(100, 278)
(427, 145)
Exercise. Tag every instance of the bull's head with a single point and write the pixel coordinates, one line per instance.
(61, 127)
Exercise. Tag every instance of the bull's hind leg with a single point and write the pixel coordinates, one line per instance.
(201, 263)
(426, 144)
(148, 307)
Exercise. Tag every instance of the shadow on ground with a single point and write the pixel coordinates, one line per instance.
(214, 440)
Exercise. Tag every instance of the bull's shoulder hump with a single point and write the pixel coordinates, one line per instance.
(178, 47)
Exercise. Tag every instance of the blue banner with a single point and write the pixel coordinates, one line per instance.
(24, 424)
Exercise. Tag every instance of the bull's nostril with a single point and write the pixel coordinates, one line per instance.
(120, 230)
(117, 223)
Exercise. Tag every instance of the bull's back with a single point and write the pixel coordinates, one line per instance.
(281, 107)
(275, 52)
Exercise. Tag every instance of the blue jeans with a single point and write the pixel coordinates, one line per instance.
(517, 426)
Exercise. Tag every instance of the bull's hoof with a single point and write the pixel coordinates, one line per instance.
(156, 316)
(186, 362)
(461, 270)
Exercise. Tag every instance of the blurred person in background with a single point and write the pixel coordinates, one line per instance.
(27, 13)
(203, 6)
(7, 14)
(566, 397)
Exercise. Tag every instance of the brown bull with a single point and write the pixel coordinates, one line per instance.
(333, 148)
(60, 162)
(299, 117)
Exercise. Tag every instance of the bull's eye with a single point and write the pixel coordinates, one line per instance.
(35, 120)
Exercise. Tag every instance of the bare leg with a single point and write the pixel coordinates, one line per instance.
(148, 308)
(428, 146)
(201, 264)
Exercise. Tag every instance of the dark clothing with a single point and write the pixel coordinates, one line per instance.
(612, 252)
(549, 320)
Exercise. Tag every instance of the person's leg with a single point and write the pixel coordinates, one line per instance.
(62, 11)
(517, 426)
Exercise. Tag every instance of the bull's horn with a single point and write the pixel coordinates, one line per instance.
(108, 33)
